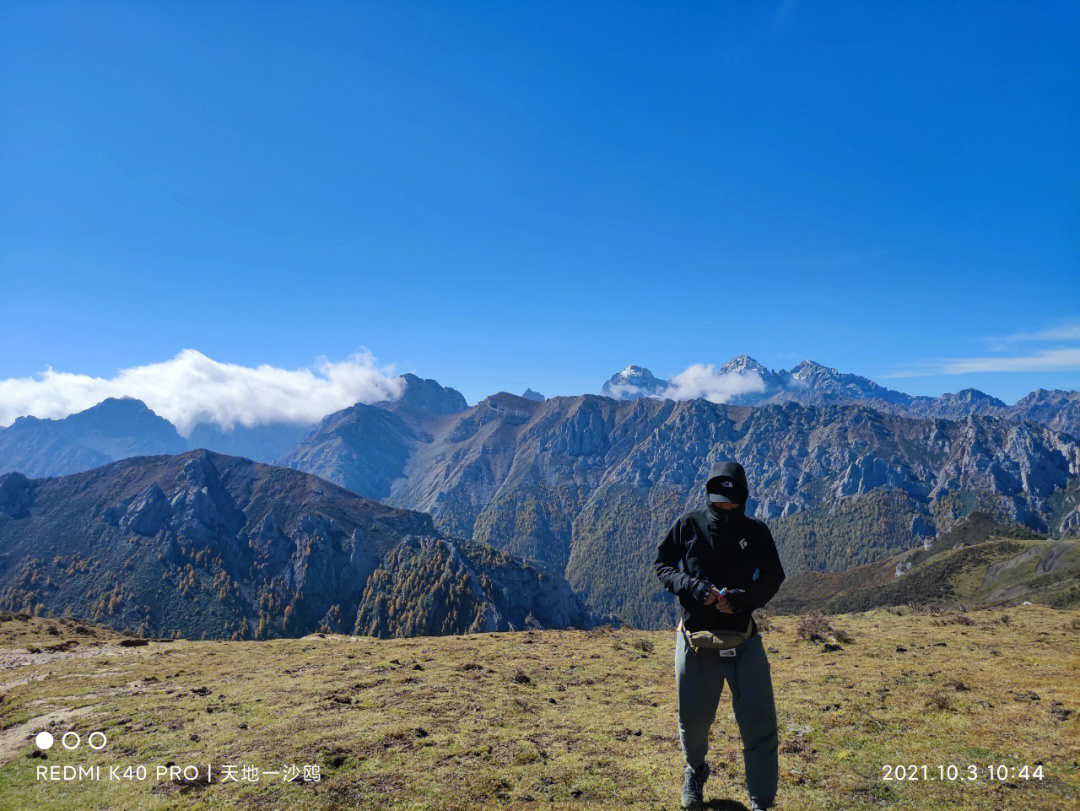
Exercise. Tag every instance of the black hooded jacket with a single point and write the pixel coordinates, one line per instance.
(722, 548)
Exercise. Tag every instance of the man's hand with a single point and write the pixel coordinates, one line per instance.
(720, 601)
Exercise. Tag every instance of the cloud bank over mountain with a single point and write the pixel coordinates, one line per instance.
(699, 380)
(715, 385)
(192, 388)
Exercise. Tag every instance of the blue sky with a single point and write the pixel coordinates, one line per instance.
(502, 195)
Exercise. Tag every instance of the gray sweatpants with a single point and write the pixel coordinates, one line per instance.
(699, 680)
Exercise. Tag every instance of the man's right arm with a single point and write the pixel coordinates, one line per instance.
(668, 564)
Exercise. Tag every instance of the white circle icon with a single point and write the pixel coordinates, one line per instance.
(70, 746)
(44, 740)
(101, 740)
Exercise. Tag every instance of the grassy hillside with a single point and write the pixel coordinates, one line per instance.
(979, 563)
(547, 719)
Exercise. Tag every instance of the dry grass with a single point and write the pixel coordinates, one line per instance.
(548, 719)
(817, 628)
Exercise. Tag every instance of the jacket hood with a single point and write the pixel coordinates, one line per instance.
(733, 471)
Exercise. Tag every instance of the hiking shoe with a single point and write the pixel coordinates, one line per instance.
(755, 807)
(693, 790)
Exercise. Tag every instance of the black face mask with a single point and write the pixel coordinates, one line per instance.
(725, 516)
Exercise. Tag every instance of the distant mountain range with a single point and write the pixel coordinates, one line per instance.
(845, 471)
(810, 383)
(205, 545)
(585, 486)
(112, 429)
(119, 428)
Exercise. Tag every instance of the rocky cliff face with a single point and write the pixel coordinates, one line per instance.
(428, 396)
(586, 486)
(965, 403)
(1057, 409)
(428, 586)
(203, 544)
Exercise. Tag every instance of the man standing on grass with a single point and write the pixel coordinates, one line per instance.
(722, 565)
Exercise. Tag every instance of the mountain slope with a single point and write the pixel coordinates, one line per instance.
(426, 395)
(980, 562)
(34, 447)
(202, 544)
(115, 428)
(122, 427)
(812, 383)
(431, 587)
(586, 486)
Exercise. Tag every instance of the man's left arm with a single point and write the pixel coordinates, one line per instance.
(770, 575)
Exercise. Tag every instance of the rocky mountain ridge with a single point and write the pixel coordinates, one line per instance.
(201, 544)
(811, 383)
(585, 486)
(120, 428)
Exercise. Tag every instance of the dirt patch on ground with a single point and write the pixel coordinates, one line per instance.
(14, 738)
(20, 657)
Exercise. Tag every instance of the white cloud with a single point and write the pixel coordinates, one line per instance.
(192, 388)
(1069, 332)
(926, 372)
(1048, 360)
(1061, 359)
(703, 380)
(625, 391)
(1062, 333)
